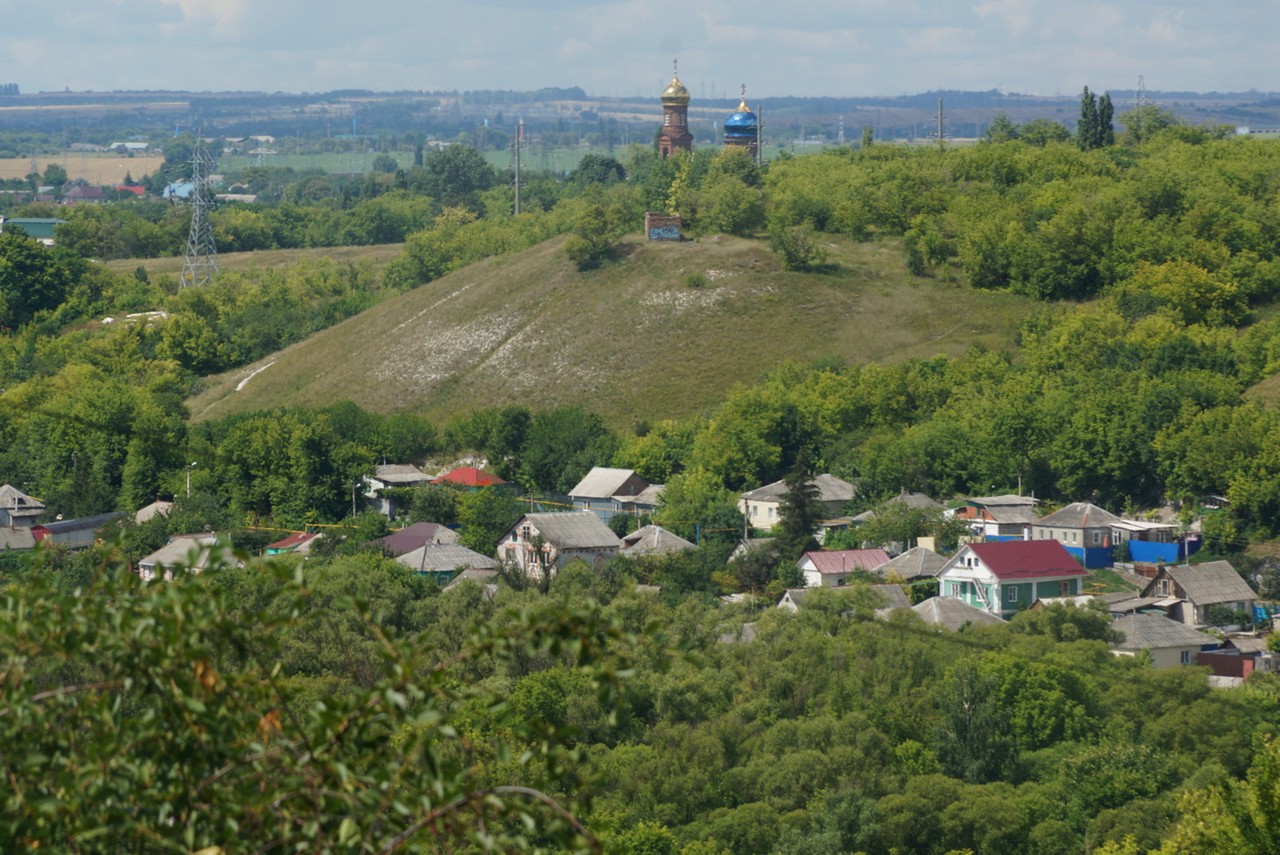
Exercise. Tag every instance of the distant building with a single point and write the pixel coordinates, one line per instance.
(675, 134)
(742, 128)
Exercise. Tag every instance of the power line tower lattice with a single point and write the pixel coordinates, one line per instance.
(201, 262)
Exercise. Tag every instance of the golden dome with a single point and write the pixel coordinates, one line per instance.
(675, 93)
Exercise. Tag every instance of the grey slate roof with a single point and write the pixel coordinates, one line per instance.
(917, 562)
(604, 482)
(180, 550)
(1005, 499)
(574, 530)
(16, 537)
(1079, 515)
(653, 540)
(479, 575)
(400, 475)
(1145, 632)
(893, 595)
(17, 502)
(1210, 583)
(444, 558)
(830, 489)
(952, 613)
(150, 511)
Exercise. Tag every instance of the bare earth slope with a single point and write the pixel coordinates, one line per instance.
(662, 333)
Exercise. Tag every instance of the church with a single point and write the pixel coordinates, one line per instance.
(741, 129)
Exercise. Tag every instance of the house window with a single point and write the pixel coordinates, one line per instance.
(1011, 593)
(841, 582)
(1041, 535)
(1162, 588)
(771, 510)
(1064, 589)
(1186, 657)
(1097, 538)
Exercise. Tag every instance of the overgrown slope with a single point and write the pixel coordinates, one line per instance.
(660, 333)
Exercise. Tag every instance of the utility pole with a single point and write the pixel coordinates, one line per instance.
(940, 122)
(519, 139)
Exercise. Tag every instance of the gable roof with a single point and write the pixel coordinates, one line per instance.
(830, 489)
(411, 537)
(1079, 515)
(445, 558)
(468, 476)
(1144, 632)
(1027, 559)
(916, 562)
(952, 613)
(1005, 500)
(604, 482)
(12, 499)
(1208, 583)
(572, 530)
(839, 561)
(653, 540)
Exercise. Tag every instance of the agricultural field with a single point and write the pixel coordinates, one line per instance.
(94, 168)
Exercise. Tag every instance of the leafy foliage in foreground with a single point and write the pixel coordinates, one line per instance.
(177, 716)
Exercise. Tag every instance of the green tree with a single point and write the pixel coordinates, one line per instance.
(800, 514)
(484, 516)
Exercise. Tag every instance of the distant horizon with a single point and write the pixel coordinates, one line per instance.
(1154, 94)
(626, 48)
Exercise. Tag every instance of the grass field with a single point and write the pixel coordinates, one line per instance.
(263, 259)
(661, 333)
(104, 170)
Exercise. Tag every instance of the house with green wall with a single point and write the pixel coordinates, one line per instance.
(1004, 577)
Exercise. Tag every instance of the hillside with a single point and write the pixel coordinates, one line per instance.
(634, 340)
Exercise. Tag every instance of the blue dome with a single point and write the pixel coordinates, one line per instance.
(744, 121)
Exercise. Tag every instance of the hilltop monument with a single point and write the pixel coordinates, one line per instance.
(675, 134)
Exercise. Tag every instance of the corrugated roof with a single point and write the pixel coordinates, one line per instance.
(952, 613)
(17, 537)
(1210, 583)
(411, 537)
(180, 550)
(293, 541)
(573, 530)
(830, 489)
(1027, 559)
(404, 474)
(839, 561)
(12, 498)
(1006, 499)
(916, 562)
(81, 523)
(1079, 515)
(468, 476)
(894, 596)
(444, 558)
(603, 482)
(1145, 632)
(648, 496)
(157, 507)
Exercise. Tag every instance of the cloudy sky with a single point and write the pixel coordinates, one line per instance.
(811, 47)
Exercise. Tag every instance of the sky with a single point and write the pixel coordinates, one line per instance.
(851, 48)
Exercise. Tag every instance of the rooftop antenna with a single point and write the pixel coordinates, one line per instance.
(201, 262)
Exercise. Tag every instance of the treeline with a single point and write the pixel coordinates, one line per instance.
(598, 717)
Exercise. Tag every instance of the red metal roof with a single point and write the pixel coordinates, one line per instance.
(846, 560)
(293, 541)
(1027, 559)
(469, 476)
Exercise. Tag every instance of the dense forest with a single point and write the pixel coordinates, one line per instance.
(255, 703)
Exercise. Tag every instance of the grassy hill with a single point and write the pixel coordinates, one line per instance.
(663, 332)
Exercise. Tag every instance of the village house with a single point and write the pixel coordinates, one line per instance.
(832, 569)
(606, 491)
(443, 560)
(392, 476)
(192, 551)
(1004, 517)
(543, 543)
(412, 537)
(1168, 642)
(652, 540)
(918, 562)
(1084, 529)
(953, 614)
(1005, 577)
(469, 478)
(298, 543)
(17, 508)
(763, 506)
(1189, 592)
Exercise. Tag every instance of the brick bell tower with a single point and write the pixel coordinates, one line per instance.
(675, 134)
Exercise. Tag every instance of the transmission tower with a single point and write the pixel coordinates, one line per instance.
(201, 262)
(1141, 99)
